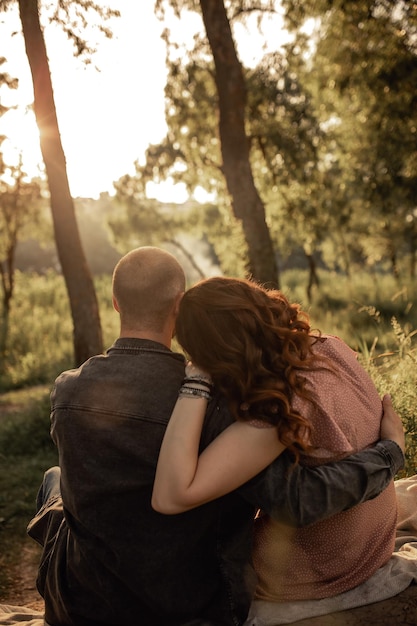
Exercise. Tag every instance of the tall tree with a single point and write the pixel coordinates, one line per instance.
(247, 204)
(80, 286)
(190, 154)
(230, 106)
(78, 279)
(281, 135)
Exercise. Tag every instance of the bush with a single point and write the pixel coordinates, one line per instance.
(395, 372)
(27, 433)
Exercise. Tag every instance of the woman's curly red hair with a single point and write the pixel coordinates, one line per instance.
(254, 344)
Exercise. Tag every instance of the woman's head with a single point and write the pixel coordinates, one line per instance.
(251, 340)
(222, 318)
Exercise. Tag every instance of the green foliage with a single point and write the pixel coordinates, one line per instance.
(364, 57)
(6, 81)
(331, 120)
(26, 433)
(40, 344)
(26, 451)
(395, 372)
(143, 221)
(358, 308)
(40, 335)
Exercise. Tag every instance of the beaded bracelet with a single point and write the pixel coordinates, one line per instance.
(194, 392)
(200, 381)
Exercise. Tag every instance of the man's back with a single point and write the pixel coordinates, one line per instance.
(116, 561)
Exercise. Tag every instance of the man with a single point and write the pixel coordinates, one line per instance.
(109, 558)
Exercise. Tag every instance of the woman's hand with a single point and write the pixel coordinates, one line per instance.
(391, 424)
(195, 372)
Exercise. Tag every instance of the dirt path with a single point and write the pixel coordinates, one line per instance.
(23, 590)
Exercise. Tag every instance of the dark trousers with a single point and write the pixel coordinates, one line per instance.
(49, 510)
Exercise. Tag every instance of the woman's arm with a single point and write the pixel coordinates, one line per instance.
(185, 480)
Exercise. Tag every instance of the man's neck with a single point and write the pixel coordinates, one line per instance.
(159, 337)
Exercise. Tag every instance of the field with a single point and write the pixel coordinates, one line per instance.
(373, 313)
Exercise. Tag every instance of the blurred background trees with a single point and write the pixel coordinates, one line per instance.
(330, 122)
(306, 158)
(300, 167)
(312, 150)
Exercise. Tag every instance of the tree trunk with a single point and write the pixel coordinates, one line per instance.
(6, 274)
(79, 283)
(7, 265)
(188, 256)
(313, 278)
(247, 205)
(413, 254)
(394, 262)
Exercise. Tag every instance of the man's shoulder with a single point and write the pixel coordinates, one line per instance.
(73, 374)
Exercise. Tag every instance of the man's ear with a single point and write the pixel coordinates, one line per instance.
(177, 303)
(115, 305)
(175, 310)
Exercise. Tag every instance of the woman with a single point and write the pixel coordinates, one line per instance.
(287, 387)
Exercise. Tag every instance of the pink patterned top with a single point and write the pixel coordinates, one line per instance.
(337, 554)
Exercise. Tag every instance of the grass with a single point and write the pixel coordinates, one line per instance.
(26, 451)
(40, 344)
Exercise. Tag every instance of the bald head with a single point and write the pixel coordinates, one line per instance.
(147, 285)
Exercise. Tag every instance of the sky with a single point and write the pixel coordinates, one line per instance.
(107, 118)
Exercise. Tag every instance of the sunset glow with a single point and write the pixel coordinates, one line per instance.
(22, 140)
(108, 111)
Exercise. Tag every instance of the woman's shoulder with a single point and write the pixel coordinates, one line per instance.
(332, 344)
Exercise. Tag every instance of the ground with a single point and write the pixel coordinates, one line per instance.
(23, 570)
(23, 591)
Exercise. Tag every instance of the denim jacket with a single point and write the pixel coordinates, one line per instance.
(114, 560)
